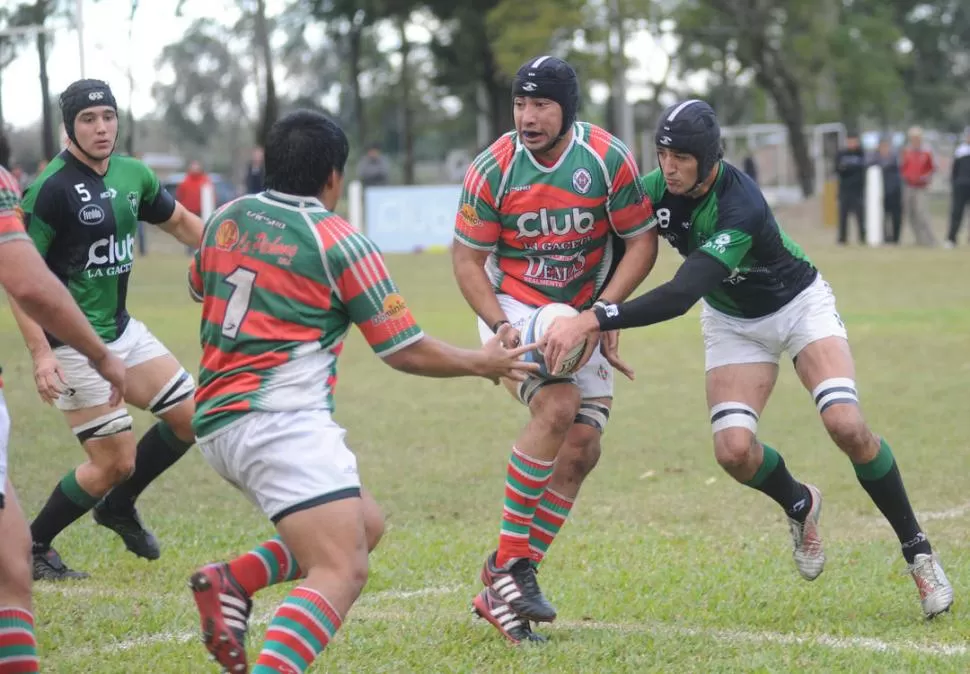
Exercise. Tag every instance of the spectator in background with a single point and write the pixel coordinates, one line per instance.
(189, 191)
(751, 168)
(960, 180)
(892, 190)
(917, 170)
(373, 169)
(850, 166)
(255, 172)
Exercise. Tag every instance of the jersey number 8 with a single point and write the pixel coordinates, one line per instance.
(241, 280)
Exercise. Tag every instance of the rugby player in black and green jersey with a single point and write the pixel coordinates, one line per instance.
(82, 213)
(761, 296)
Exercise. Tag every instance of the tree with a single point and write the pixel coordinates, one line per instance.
(209, 87)
(36, 14)
(9, 46)
(782, 46)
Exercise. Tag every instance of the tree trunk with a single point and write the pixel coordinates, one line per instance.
(355, 40)
(271, 109)
(48, 141)
(407, 115)
(499, 95)
(776, 79)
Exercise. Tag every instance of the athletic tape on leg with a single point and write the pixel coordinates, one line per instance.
(593, 414)
(835, 391)
(178, 388)
(104, 426)
(733, 415)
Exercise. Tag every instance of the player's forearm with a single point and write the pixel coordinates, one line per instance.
(477, 288)
(636, 265)
(430, 357)
(185, 226)
(23, 308)
(699, 275)
(51, 306)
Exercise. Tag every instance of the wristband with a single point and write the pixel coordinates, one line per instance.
(497, 324)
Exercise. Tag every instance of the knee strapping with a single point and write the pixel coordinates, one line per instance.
(178, 388)
(104, 426)
(733, 415)
(835, 391)
(593, 414)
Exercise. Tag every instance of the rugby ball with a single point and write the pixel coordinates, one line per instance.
(535, 327)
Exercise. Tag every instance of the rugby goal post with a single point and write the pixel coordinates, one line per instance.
(36, 28)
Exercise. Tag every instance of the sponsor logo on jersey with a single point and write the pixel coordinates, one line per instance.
(533, 224)
(133, 201)
(392, 308)
(719, 243)
(555, 271)
(261, 217)
(582, 181)
(470, 216)
(263, 245)
(109, 193)
(227, 236)
(92, 214)
(110, 256)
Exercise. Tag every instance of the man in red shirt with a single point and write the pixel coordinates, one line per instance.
(917, 169)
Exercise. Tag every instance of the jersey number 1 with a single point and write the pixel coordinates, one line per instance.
(241, 280)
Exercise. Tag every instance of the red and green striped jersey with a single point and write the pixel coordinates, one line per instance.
(550, 229)
(11, 214)
(281, 280)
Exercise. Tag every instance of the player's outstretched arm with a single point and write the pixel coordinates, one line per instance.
(430, 357)
(38, 298)
(699, 275)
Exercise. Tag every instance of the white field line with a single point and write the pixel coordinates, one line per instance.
(667, 630)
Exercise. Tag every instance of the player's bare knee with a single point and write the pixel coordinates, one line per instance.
(556, 407)
(838, 404)
(734, 425)
(733, 447)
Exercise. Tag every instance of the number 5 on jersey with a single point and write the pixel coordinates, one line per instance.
(241, 280)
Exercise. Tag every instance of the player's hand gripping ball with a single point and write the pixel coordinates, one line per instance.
(535, 327)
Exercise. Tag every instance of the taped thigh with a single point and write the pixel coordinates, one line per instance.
(835, 391)
(593, 414)
(112, 423)
(527, 390)
(178, 388)
(733, 415)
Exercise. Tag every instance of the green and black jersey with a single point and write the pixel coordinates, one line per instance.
(733, 224)
(84, 225)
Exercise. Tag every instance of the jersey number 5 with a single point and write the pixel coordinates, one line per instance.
(83, 191)
(241, 280)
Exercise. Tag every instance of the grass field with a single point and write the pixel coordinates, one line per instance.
(666, 564)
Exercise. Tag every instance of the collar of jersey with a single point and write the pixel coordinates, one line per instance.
(68, 156)
(294, 199)
(577, 131)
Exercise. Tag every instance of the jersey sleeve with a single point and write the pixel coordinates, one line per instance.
(631, 209)
(372, 300)
(156, 204)
(11, 215)
(477, 223)
(733, 233)
(40, 206)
